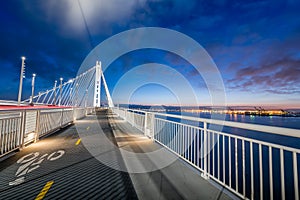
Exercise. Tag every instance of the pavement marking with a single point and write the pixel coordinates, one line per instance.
(87, 128)
(31, 162)
(78, 142)
(44, 190)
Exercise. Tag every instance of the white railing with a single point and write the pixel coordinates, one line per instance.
(136, 119)
(79, 113)
(50, 120)
(10, 134)
(250, 168)
(18, 128)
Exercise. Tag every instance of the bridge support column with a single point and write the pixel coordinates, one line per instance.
(109, 100)
(97, 91)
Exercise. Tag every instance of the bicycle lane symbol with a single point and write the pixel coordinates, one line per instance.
(31, 162)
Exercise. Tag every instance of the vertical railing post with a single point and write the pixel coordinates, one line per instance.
(62, 117)
(74, 115)
(37, 126)
(1, 136)
(151, 127)
(282, 174)
(205, 152)
(22, 129)
(296, 191)
(145, 125)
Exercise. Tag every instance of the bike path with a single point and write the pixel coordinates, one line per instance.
(82, 162)
(60, 167)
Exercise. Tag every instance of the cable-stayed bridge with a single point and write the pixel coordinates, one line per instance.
(82, 91)
(119, 153)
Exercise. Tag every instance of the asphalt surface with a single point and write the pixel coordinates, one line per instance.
(76, 174)
(85, 161)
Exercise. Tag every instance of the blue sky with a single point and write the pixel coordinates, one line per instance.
(255, 44)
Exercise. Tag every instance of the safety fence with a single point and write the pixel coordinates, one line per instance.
(253, 167)
(20, 127)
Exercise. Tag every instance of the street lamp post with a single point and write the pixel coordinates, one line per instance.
(32, 88)
(54, 103)
(60, 91)
(21, 80)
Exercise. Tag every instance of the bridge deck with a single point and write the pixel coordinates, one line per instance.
(63, 167)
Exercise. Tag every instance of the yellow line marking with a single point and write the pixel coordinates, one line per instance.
(87, 128)
(44, 190)
(78, 142)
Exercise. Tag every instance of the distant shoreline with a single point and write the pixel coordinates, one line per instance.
(247, 110)
(251, 113)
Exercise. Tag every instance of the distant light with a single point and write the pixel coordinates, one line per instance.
(23, 57)
(34, 75)
(61, 79)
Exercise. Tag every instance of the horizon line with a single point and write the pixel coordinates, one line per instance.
(275, 106)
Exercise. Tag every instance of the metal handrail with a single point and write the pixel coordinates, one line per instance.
(224, 157)
(21, 127)
(253, 127)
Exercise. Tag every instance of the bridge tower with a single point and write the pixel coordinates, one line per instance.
(99, 77)
(97, 91)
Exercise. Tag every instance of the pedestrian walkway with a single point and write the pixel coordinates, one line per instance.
(82, 162)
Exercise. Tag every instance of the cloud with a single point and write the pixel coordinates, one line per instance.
(279, 77)
(72, 16)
